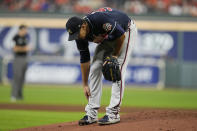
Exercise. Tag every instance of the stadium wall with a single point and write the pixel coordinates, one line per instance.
(176, 42)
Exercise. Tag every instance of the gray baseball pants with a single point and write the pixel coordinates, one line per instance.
(19, 69)
(95, 76)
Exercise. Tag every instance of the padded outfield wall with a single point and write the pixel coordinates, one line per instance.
(164, 55)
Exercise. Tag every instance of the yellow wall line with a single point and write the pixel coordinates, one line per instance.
(141, 24)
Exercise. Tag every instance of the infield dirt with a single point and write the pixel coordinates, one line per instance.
(134, 119)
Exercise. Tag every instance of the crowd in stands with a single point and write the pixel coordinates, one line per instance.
(171, 7)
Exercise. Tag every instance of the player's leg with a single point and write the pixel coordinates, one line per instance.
(23, 61)
(95, 86)
(16, 79)
(112, 111)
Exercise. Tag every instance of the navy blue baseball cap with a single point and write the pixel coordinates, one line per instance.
(73, 26)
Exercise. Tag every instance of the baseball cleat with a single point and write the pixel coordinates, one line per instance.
(13, 99)
(86, 120)
(106, 120)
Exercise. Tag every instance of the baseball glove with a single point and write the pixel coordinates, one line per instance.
(111, 69)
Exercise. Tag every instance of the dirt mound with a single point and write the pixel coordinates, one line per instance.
(143, 120)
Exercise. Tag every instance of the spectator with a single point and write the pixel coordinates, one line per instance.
(20, 63)
(175, 8)
(171, 7)
(135, 7)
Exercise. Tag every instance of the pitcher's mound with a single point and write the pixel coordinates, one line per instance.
(143, 120)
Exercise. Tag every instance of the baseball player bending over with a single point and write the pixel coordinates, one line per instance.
(115, 33)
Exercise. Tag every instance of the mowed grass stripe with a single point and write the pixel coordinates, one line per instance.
(16, 119)
(133, 97)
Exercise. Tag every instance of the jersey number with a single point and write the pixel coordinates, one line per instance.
(102, 10)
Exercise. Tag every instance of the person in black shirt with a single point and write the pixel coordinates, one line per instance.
(20, 63)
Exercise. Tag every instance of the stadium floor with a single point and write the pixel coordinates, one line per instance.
(135, 119)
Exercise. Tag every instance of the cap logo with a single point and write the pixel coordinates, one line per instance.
(69, 31)
(107, 27)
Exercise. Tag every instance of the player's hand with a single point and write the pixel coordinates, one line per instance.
(27, 48)
(106, 62)
(98, 39)
(87, 91)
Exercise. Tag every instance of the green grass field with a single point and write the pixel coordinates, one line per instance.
(57, 95)
(16, 119)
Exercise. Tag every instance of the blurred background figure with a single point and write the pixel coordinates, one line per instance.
(168, 7)
(20, 63)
